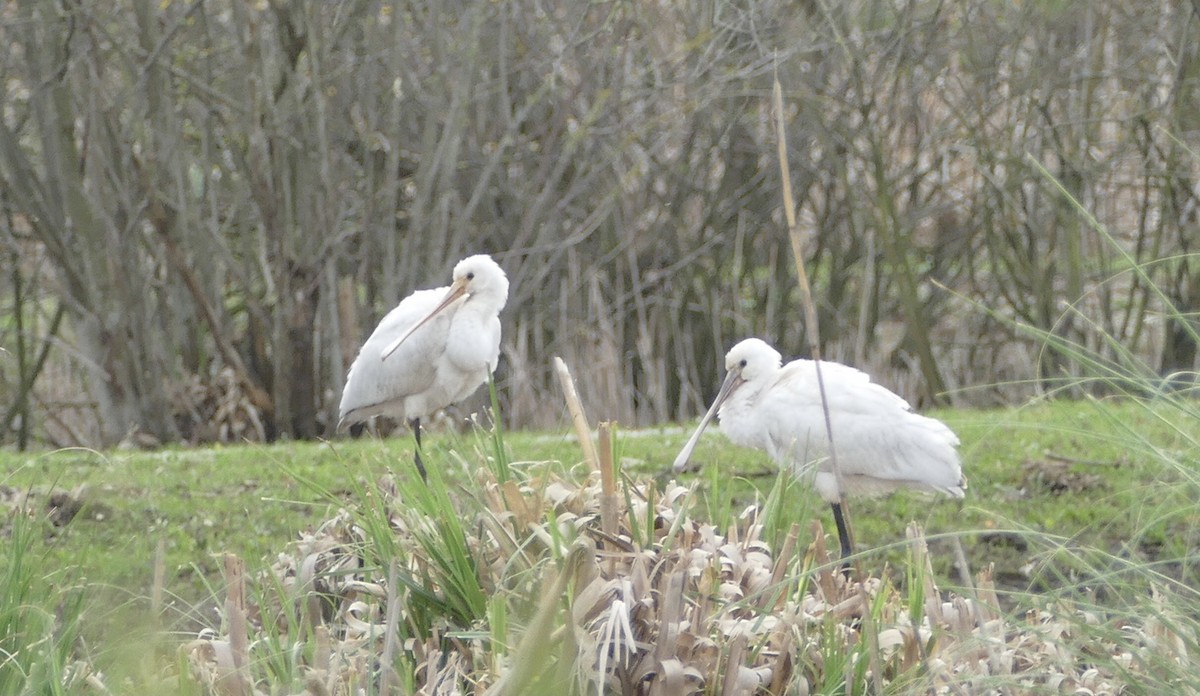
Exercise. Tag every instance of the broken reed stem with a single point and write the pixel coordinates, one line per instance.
(608, 481)
(922, 565)
(929, 591)
(608, 490)
(821, 558)
(160, 574)
(235, 614)
(667, 646)
(578, 418)
(733, 665)
(874, 659)
(961, 564)
(608, 475)
(392, 637)
(782, 670)
(323, 653)
(991, 624)
(782, 561)
(986, 593)
(813, 331)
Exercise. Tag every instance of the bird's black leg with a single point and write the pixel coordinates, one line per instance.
(843, 535)
(415, 424)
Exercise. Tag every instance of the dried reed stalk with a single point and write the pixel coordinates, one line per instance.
(578, 418)
(237, 683)
(608, 481)
(922, 565)
(871, 631)
(323, 653)
(820, 556)
(392, 637)
(608, 494)
(733, 666)
(160, 574)
(782, 562)
(806, 300)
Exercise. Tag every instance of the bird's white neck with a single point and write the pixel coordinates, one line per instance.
(737, 418)
(472, 340)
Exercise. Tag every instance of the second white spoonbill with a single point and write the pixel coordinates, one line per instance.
(880, 444)
(434, 349)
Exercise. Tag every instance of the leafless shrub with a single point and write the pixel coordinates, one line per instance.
(251, 186)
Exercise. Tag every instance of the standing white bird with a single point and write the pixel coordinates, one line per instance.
(879, 443)
(435, 348)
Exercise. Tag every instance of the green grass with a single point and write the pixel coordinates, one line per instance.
(1056, 489)
(1062, 468)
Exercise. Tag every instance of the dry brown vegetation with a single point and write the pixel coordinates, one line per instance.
(649, 601)
(207, 204)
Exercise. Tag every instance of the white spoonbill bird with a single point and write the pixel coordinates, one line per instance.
(879, 443)
(435, 348)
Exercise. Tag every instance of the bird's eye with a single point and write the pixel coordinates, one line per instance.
(470, 276)
(742, 363)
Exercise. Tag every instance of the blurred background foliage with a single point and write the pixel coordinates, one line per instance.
(206, 206)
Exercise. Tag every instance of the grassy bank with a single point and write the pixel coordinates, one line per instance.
(1089, 501)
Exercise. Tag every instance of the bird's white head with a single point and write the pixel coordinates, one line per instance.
(752, 359)
(482, 280)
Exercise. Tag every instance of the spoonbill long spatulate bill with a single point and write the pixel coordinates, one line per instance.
(434, 349)
(881, 445)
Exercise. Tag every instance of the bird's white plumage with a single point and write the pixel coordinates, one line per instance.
(441, 361)
(881, 445)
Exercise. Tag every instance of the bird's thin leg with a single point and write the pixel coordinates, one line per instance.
(843, 534)
(415, 424)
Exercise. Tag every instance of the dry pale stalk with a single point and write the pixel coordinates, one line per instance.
(960, 562)
(672, 616)
(922, 565)
(782, 562)
(391, 640)
(608, 494)
(781, 672)
(323, 653)
(237, 683)
(820, 556)
(872, 634)
(608, 481)
(160, 574)
(578, 418)
(806, 301)
(733, 666)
